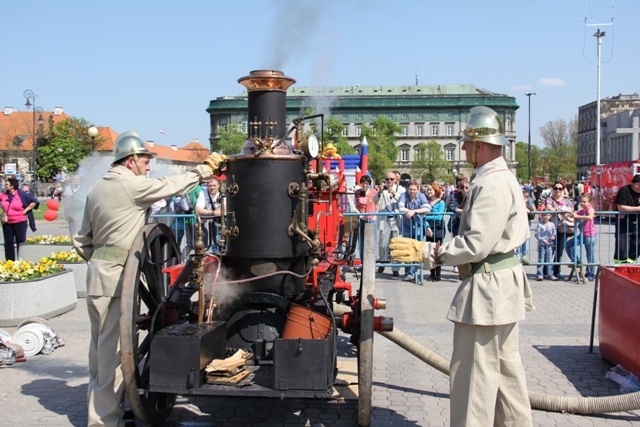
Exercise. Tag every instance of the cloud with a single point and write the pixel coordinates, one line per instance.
(551, 81)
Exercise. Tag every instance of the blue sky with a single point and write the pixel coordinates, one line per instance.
(154, 65)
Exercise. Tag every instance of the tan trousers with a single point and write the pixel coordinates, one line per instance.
(488, 386)
(105, 394)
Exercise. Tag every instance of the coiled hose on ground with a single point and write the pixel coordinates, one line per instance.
(573, 405)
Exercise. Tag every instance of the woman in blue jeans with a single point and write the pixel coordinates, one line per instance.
(411, 204)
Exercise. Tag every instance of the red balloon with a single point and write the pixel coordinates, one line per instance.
(50, 215)
(53, 204)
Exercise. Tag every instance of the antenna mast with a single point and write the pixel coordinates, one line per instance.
(598, 35)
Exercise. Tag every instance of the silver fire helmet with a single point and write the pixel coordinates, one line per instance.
(127, 144)
(484, 125)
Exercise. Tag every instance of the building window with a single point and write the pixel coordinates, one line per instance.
(244, 127)
(449, 130)
(358, 130)
(404, 154)
(374, 116)
(449, 115)
(359, 116)
(345, 116)
(389, 116)
(434, 130)
(508, 125)
(405, 116)
(419, 116)
(345, 131)
(434, 115)
(405, 130)
(449, 154)
(419, 130)
(419, 153)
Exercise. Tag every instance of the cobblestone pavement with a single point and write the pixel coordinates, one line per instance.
(51, 390)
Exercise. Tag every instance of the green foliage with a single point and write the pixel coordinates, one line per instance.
(62, 149)
(381, 136)
(333, 134)
(522, 157)
(231, 140)
(559, 158)
(430, 164)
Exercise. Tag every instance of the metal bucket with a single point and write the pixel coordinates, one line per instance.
(306, 324)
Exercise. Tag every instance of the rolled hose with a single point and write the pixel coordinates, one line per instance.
(545, 402)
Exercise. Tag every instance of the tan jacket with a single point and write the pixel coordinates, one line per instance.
(115, 212)
(494, 221)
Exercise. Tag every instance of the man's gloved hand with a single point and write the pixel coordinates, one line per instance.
(404, 249)
(214, 161)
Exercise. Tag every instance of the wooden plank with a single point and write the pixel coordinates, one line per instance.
(365, 352)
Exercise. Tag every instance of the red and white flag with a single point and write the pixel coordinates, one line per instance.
(161, 132)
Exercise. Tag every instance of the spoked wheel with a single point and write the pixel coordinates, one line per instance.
(144, 289)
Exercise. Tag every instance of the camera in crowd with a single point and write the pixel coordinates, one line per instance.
(363, 193)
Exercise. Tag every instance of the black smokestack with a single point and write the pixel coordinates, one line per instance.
(267, 102)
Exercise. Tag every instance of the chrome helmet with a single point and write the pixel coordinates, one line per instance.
(127, 144)
(484, 125)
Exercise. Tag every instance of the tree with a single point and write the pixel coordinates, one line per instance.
(63, 147)
(381, 136)
(333, 134)
(430, 164)
(561, 142)
(522, 157)
(230, 141)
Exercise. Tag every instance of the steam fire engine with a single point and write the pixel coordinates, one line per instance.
(270, 290)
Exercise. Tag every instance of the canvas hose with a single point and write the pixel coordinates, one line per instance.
(545, 402)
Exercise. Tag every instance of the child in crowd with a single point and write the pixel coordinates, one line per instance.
(541, 206)
(546, 236)
(523, 251)
(588, 234)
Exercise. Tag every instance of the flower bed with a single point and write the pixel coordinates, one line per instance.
(38, 247)
(72, 261)
(44, 296)
(21, 270)
(48, 239)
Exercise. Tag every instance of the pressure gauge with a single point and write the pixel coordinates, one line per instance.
(310, 146)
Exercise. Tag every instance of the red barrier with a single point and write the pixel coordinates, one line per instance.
(618, 323)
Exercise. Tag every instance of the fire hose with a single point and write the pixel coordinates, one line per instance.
(563, 404)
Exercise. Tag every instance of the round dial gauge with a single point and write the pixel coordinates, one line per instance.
(310, 146)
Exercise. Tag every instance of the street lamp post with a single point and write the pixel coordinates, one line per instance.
(528, 94)
(93, 132)
(30, 96)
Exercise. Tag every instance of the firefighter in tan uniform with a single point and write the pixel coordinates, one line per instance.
(116, 210)
(487, 379)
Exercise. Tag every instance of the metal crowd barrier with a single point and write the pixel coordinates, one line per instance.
(183, 228)
(608, 228)
(390, 224)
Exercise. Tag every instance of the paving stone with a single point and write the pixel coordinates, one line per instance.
(554, 340)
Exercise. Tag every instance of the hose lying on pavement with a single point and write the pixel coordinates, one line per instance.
(568, 404)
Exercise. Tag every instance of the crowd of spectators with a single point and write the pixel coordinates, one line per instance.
(430, 211)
